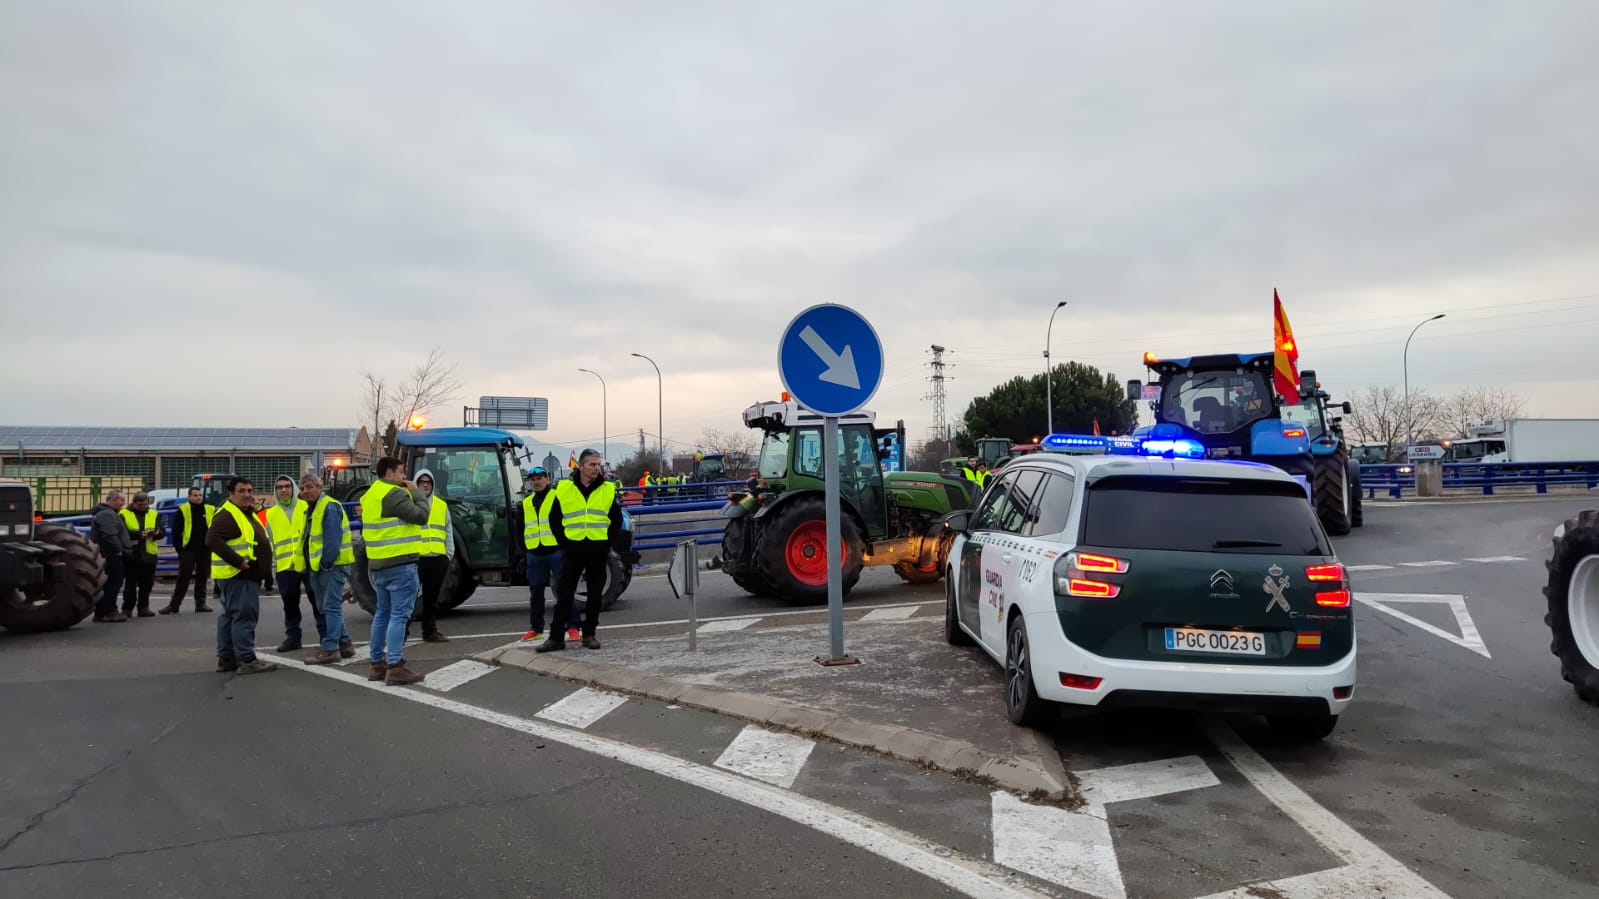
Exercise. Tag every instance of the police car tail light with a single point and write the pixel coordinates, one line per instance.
(1333, 572)
(1338, 599)
(1080, 681)
(1090, 589)
(1097, 563)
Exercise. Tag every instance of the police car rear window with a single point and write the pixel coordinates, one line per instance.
(1201, 515)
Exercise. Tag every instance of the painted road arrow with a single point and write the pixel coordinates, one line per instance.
(840, 366)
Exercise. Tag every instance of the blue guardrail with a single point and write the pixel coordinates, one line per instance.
(1395, 480)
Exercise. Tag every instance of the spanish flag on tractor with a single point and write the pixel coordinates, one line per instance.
(1285, 362)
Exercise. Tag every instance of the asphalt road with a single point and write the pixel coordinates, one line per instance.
(136, 771)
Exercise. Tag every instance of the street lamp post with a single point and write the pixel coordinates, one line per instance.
(1049, 392)
(660, 406)
(605, 414)
(1410, 420)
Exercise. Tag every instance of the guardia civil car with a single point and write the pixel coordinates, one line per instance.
(1118, 578)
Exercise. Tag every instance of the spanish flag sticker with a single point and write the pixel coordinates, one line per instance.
(1309, 640)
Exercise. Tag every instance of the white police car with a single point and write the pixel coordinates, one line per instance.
(1130, 580)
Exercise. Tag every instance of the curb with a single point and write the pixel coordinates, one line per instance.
(1041, 779)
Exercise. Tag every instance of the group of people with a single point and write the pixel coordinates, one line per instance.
(568, 532)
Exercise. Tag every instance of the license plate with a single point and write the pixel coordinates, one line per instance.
(1237, 643)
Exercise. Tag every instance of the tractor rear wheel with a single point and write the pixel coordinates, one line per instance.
(791, 552)
(359, 585)
(67, 596)
(911, 574)
(1357, 515)
(1330, 487)
(735, 542)
(1573, 596)
(459, 583)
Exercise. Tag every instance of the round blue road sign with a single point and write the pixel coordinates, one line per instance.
(830, 359)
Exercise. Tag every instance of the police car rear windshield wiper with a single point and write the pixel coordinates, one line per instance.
(1235, 542)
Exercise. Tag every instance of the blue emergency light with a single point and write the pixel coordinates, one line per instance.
(1121, 445)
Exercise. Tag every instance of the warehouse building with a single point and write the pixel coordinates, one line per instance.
(171, 457)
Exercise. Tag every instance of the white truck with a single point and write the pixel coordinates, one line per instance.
(1529, 440)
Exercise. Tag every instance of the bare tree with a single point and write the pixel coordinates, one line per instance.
(376, 399)
(1474, 405)
(929, 454)
(738, 449)
(389, 406)
(1380, 416)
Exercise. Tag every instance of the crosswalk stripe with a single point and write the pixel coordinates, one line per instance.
(727, 624)
(451, 676)
(1498, 559)
(898, 614)
(766, 755)
(1367, 567)
(1435, 563)
(581, 708)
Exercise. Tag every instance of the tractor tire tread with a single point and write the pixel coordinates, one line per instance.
(83, 578)
(1580, 540)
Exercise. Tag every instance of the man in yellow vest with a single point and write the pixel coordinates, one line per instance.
(194, 560)
(543, 554)
(145, 530)
(240, 555)
(285, 522)
(329, 555)
(586, 519)
(393, 512)
(438, 551)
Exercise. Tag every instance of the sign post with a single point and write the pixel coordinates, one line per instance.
(831, 361)
(683, 576)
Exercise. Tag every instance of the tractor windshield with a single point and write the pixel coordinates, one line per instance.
(1308, 415)
(1218, 401)
(774, 456)
(472, 481)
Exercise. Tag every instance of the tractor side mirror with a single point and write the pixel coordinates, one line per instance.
(1135, 390)
(1348, 408)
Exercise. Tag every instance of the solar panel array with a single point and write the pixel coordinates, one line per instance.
(53, 438)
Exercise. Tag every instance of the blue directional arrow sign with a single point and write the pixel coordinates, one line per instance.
(830, 359)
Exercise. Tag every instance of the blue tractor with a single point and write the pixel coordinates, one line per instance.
(1223, 406)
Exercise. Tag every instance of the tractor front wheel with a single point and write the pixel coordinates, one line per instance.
(791, 552)
(69, 593)
(1330, 488)
(1573, 597)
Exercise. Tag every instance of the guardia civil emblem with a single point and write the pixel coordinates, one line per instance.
(1276, 583)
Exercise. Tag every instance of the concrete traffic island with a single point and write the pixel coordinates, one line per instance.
(914, 697)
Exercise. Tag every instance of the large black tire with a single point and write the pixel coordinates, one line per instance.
(1357, 496)
(459, 584)
(1330, 487)
(1573, 595)
(735, 539)
(69, 591)
(1023, 705)
(910, 574)
(953, 635)
(358, 588)
(798, 521)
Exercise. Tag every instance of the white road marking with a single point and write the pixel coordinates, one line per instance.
(581, 708)
(1469, 637)
(1435, 563)
(1370, 871)
(727, 624)
(766, 755)
(451, 676)
(898, 614)
(968, 876)
(1368, 567)
(1498, 559)
(1074, 848)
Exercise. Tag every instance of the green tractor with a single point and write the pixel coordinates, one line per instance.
(775, 540)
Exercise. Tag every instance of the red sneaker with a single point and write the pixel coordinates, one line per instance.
(532, 635)
(571, 633)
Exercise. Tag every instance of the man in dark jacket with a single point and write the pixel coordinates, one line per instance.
(587, 519)
(243, 554)
(189, 524)
(109, 532)
(144, 532)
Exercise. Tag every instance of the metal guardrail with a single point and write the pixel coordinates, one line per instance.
(1394, 480)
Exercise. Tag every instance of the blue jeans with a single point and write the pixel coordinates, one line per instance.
(396, 589)
(542, 572)
(241, 607)
(328, 587)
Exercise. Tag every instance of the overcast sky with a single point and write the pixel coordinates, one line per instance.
(215, 216)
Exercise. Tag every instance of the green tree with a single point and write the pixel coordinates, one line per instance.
(1082, 396)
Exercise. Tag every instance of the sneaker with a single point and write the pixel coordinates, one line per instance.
(399, 675)
(571, 633)
(227, 663)
(323, 657)
(435, 637)
(346, 649)
(289, 644)
(531, 635)
(256, 666)
(380, 669)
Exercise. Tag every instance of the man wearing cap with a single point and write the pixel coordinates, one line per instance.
(543, 553)
(329, 555)
(587, 520)
(285, 523)
(145, 532)
(433, 565)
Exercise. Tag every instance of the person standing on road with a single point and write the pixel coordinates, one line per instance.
(241, 553)
(285, 523)
(188, 538)
(586, 519)
(438, 550)
(329, 555)
(393, 512)
(144, 533)
(109, 532)
(543, 553)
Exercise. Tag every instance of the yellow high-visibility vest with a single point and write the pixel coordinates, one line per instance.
(188, 521)
(536, 530)
(586, 518)
(244, 544)
(131, 519)
(433, 531)
(386, 537)
(318, 516)
(285, 528)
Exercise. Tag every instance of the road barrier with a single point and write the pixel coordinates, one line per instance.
(1394, 480)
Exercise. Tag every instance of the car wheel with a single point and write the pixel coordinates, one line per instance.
(1302, 727)
(952, 626)
(1022, 704)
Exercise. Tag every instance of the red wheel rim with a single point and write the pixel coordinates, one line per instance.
(807, 553)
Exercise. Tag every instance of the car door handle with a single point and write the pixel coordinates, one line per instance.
(1006, 557)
